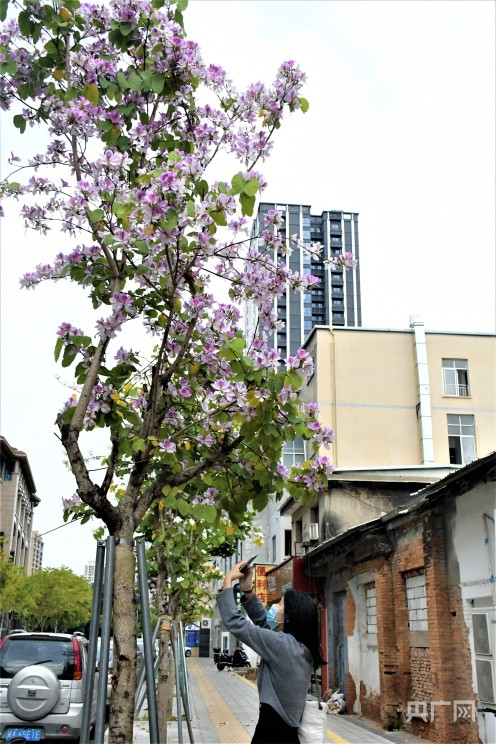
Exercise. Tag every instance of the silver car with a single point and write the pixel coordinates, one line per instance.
(42, 682)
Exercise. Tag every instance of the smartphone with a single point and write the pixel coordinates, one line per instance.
(247, 563)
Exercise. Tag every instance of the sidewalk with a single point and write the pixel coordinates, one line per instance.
(224, 708)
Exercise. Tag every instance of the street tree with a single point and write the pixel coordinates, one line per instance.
(51, 599)
(182, 568)
(136, 121)
(61, 600)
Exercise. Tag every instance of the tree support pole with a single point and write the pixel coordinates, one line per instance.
(147, 642)
(93, 641)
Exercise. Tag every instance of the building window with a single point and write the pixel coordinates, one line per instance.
(455, 377)
(335, 226)
(293, 452)
(416, 598)
(461, 439)
(287, 543)
(371, 608)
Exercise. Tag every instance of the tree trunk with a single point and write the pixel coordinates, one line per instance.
(124, 625)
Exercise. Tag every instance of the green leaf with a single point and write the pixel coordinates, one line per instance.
(135, 83)
(247, 204)
(20, 123)
(304, 104)
(91, 93)
(219, 218)
(122, 80)
(26, 25)
(170, 221)
(81, 341)
(237, 345)
(58, 348)
(8, 66)
(125, 28)
(251, 187)
(294, 379)
(97, 215)
(158, 82)
(201, 189)
(4, 4)
(205, 512)
(237, 183)
(183, 507)
(70, 353)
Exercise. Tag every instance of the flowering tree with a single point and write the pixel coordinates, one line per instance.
(136, 120)
(180, 566)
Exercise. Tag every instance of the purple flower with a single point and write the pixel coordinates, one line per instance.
(167, 446)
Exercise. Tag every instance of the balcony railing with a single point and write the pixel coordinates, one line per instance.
(458, 390)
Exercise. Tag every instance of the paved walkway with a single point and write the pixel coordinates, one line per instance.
(224, 708)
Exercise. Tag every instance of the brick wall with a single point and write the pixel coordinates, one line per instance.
(423, 657)
(420, 666)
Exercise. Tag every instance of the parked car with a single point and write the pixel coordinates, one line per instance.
(42, 681)
(110, 673)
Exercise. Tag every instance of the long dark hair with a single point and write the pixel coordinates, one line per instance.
(302, 622)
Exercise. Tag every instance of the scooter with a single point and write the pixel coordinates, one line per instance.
(239, 658)
(222, 659)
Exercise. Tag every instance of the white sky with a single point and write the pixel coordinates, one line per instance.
(400, 129)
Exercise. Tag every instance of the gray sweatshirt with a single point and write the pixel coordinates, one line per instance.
(286, 663)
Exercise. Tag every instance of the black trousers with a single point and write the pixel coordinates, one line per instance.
(272, 729)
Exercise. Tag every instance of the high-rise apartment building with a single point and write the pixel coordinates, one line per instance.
(35, 552)
(17, 503)
(336, 299)
(89, 572)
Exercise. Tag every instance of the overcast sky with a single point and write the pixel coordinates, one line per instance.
(400, 129)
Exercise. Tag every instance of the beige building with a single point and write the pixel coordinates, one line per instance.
(408, 407)
(17, 502)
(404, 398)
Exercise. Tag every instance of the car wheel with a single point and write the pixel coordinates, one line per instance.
(33, 693)
(187, 653)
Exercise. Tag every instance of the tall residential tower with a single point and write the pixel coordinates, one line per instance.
(336, 299)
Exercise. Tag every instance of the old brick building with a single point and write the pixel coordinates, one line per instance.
(411, 610)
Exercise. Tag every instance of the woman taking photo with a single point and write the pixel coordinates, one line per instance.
(288, 657)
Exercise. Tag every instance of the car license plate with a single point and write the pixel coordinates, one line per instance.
(29, 734)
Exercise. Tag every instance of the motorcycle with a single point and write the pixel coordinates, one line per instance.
(239, 657)
(222, 659)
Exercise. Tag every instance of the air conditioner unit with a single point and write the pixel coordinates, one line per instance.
(305, 535)
(483, 634)
(314, 531)
(310, 533)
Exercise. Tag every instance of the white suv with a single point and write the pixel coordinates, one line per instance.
(42, 681)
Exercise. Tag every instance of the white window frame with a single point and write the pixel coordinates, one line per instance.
(371, 608)
(416, 598)
(467, 453)
(455, 378)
